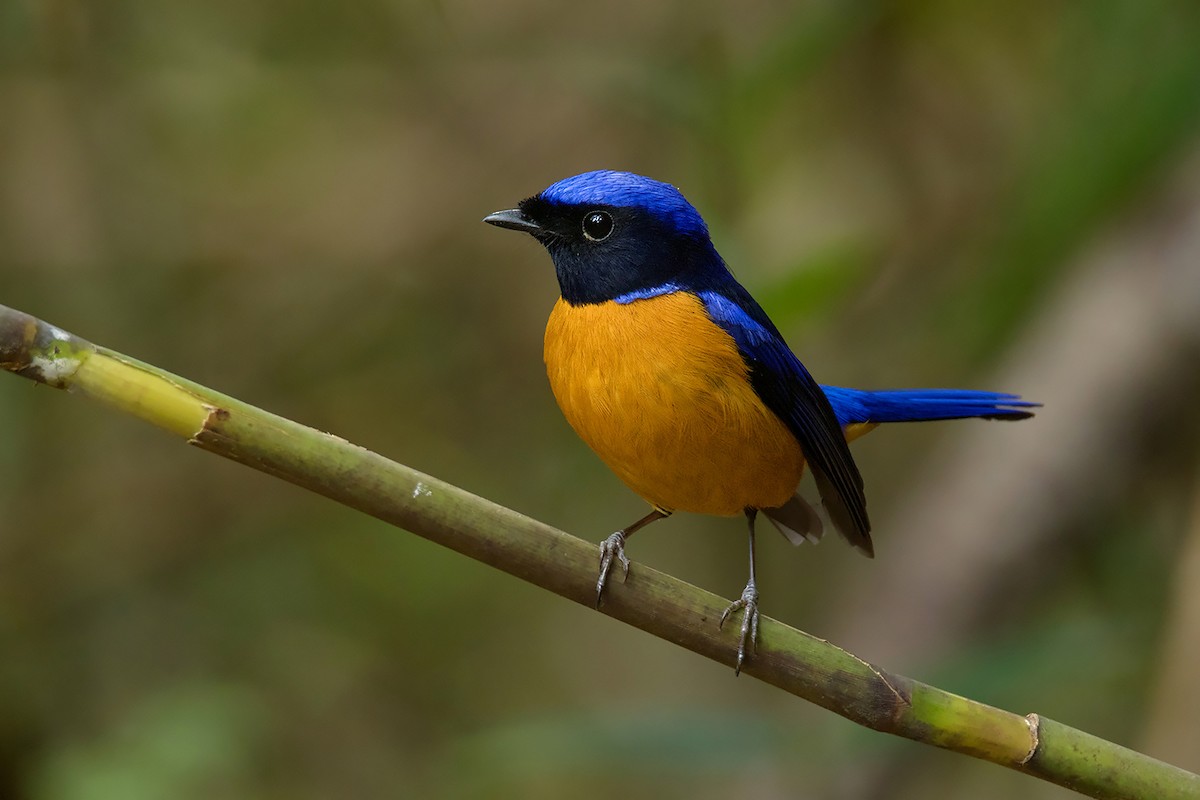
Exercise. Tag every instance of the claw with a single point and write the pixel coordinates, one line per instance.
(749, 634)
(611, 548)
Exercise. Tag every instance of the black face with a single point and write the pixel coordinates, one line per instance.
(601, 252)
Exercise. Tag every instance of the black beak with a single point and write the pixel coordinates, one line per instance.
(514, 220)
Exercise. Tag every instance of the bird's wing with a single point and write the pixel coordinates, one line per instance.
(788, 390)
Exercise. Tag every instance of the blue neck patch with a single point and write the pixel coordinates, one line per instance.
(625, 189)
(646, 294)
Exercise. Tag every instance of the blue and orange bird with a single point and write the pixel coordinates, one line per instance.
(666, 366)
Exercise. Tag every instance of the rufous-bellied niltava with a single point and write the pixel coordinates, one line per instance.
(667, 367)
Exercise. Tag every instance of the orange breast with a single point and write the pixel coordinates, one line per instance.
(662, 395)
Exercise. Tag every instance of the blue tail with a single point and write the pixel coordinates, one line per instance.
(916, 405)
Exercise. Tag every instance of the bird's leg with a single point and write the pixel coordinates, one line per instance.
(614, 548)
(749, 602)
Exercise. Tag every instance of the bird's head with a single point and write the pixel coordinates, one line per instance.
(612, 234)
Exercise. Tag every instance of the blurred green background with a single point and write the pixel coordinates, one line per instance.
(283, 201)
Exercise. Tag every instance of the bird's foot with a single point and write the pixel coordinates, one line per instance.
(612, 548)
(748, 643)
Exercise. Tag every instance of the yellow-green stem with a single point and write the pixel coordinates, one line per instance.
(790, 659)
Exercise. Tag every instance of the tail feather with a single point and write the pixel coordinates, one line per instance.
(797, 521)
(859, 411)
(915, 405)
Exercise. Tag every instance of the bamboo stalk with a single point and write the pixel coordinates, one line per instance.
(789, 659)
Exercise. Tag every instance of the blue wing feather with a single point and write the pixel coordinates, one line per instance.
(786, 387)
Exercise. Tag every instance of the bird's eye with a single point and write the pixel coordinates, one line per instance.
(597, 225)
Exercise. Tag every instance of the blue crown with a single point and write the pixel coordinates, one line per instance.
(627, 190)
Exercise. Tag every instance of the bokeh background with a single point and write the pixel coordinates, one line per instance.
(283, 201)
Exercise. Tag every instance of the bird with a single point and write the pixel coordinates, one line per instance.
(667, 367)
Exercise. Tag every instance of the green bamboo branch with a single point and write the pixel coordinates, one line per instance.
(792, 660)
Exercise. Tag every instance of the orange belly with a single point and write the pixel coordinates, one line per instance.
(662, 395)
